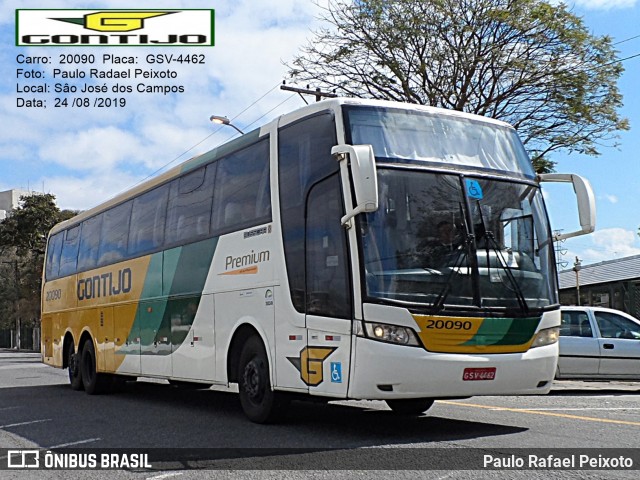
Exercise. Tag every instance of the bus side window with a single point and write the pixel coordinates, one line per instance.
(242, 194)
(69, 256)
(115, 232)
(147, 221)
(53, 256)
(328, 291)
(304, 158)
(89, 243)
(189, 207)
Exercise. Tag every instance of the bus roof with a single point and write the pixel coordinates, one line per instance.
(333, 104)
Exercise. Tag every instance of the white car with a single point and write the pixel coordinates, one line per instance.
(598, 343)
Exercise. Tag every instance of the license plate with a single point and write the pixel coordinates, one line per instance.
(471, 374)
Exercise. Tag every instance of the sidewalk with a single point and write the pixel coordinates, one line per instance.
(579, 385)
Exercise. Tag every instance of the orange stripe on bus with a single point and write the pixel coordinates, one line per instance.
(242, 271)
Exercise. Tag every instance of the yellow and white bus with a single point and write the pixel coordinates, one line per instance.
(301, 258)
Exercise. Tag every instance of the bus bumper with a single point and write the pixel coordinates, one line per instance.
(386, 371)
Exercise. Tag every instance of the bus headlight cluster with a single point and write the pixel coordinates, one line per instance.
(391, 334)
(547, 336)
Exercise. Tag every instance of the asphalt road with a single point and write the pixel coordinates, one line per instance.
(39, 410)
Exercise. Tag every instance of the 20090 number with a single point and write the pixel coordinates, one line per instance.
(449, 324)
(84, 58)
(54, 295)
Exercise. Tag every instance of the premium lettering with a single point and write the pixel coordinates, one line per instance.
(246, 260)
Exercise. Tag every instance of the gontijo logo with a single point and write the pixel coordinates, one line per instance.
(113, 21)
(114, 27)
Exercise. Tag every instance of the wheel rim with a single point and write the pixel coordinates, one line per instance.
(252, 380)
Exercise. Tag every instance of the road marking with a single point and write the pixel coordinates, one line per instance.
(580, 409)
(537, 412)
(165, 475)
(79, 442)
(8, 408)
(25, 423)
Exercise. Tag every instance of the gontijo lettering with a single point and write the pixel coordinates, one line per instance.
(104, 285)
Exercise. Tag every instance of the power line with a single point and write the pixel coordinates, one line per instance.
(267, 113)
(152, 174)
(268, 92)
(626, 40)
(618, 60)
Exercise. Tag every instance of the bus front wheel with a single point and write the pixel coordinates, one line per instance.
(410, 406)
(259, 402)
(94, 382)
(73, 362)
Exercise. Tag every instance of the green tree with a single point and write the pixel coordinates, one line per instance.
(23, 238)
(527, 62)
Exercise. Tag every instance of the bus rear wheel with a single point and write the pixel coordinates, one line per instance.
(410, 406)
(259, 402)
(94, 382)
(73, 362)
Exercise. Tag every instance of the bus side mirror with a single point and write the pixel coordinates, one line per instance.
(586, 201)
(364, 175)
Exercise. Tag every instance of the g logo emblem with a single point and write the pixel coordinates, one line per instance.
(118, 21)
(310, 362)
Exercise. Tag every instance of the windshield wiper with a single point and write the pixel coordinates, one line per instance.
(491, 242)
(438, 305)
(462, 253)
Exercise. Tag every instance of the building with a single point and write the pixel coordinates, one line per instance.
(611, 284)
(10, 199)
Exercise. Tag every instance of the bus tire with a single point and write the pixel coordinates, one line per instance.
(259, 402)
(94, 382)
(75, 375)
(410, 406)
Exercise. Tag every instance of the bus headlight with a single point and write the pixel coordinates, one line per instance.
(547, 336)
(391, 334)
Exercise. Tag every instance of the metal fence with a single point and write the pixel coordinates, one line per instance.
(29, 338)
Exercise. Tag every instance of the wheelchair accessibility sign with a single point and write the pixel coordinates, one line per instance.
(474, 190)
(336, 372)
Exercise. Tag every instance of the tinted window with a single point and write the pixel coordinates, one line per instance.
(189, 209)
(575, 323)
(69, 256)
(89, 243)
(304, 157)
(242, 193)
(612, 325)
(328, 290)
(115, 232)
(147, 221)
(53, 255)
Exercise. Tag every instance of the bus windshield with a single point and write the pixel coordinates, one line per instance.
(452, 242)
(410, 136)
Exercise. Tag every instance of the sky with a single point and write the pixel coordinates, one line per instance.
(85, 156)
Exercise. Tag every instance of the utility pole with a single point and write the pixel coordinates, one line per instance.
(319, 94)
(576, 268)
(16, 302)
